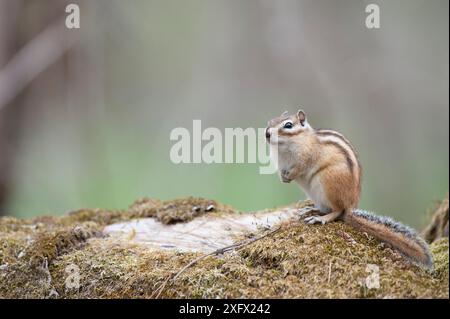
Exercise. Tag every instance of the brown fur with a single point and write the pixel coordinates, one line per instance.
(344, 153)
(337, 177)
(357, 165)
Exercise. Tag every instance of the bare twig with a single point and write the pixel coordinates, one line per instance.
(329, 271)
(219, 251)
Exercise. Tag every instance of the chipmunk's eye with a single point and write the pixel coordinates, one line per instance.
(288, 125)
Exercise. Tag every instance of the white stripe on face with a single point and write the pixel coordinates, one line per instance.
(287, 121)
(296, 128)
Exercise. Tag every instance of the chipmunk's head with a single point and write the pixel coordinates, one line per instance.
(280, 129)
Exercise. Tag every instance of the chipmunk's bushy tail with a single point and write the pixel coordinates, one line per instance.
(403, 238)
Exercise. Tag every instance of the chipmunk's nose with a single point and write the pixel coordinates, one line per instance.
(267, 134)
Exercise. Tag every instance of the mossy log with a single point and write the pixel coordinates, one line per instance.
(136, 253)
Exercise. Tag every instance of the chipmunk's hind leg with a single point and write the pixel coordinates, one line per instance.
(323, 219)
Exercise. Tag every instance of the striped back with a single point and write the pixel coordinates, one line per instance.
(337, 140)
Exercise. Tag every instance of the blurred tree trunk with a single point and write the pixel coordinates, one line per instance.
(9, 116)
(14, 35)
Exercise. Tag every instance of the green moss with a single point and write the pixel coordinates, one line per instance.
(299, 261)
(439, 250)
(167, 212)
(48, 245)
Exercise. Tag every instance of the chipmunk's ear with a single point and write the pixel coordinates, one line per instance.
(301, 115)
(284, 113)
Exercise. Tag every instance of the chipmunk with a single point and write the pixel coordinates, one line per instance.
(326, 167)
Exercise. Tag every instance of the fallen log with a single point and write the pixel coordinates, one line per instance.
(196, 248)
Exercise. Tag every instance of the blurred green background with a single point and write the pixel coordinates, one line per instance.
(91, 129)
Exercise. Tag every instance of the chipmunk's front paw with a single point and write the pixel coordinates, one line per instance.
(307, 212)
(285, 176)
(315, 220)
